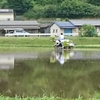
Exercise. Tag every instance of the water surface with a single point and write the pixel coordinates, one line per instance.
(66, 74)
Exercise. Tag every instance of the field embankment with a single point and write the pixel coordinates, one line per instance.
(31, 43)
(86, 42)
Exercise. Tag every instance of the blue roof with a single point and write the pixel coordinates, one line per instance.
(65, 24)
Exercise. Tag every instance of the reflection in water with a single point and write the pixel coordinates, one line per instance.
(61, 56)
(6, 62)
(37, 76)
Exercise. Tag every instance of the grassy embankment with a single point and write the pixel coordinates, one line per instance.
(39, 43)
(86, 42)
(44, 98)
(27, 98)
(25, 44)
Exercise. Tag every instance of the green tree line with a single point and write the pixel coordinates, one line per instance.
(54, 8)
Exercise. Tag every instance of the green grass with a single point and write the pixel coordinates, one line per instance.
(42, 98)
(42, 43)
(45, 41)
(86, 40)
(28, 98)
(24, 49)
(25, 42)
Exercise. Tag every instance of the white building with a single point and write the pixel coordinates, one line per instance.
(6, 15)
(66, 28)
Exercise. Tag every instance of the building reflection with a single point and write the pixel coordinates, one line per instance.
(6, 62)
(61, 56)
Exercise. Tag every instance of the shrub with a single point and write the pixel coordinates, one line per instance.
(87, 31)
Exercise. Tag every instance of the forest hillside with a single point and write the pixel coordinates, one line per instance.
(53, 8)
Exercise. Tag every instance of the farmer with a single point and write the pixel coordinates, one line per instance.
(61, 37)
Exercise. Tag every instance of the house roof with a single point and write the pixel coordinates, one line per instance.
(6, 10)
(13, 28)
(64, 24)
(24, 27)
(19, 24)
(44, 25)
(84, 21)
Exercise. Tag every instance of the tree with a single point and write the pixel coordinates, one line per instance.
(87, 31)
(3, 4)
(78, 9)
(20, 6)
(94, 2)
(47, 2)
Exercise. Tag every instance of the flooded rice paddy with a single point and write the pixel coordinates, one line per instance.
(66, 74)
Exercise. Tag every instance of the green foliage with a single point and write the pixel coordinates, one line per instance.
(79, 98)
(47, 2)
(87, 31)
(97, 95)
(36, 12)
(20, 6)
(67, 8)
(54, 9)
(50, 11)
(66, 19)
(65, 43)
(75, 9)
(28, 98)
(94, 2)
(3, 4)
(52, 38)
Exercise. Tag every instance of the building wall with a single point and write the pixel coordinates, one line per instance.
(1, 33)
(98, 30)
(31, 30)
(75, 32)
(55, 30)
(54, 27)
(6, 16)
(61, 31)
(47, 30)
